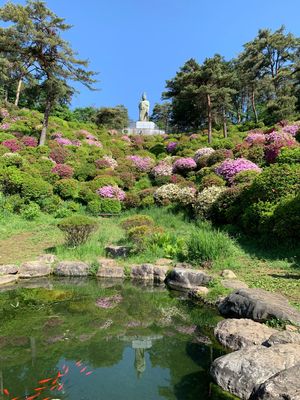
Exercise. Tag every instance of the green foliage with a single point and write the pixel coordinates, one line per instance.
(110, 206)
(286, 219)
(30, 211)
(136, 220)
(289, 156)
(77, 229)
(67, 188)
(112, 117)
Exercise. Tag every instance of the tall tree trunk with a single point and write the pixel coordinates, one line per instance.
(18, 92)
(43, 135)
(224, 124)
(209, 118)
(254, 106)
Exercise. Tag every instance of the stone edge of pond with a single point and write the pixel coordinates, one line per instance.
(245, 309)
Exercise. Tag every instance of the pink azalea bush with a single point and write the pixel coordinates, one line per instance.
(63, 141)
(291, 129)
(5, 126)
(12, 144)
(92, 142)
(205, 151)
(142, 164)
(111, 192)
(275, 141)
(256, 138)
(171, 147)
(4, 113)
(229, 168)
(162, 169)
(63, 170)
(56, 135)
(184, 164)
(29, 141)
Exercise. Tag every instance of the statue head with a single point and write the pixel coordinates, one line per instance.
(144, 96)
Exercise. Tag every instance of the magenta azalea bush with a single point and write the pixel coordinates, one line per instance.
(291, 129)
(162, 169)
(111, 192)
(184, 164)
(12, 144)
(142, 164)
(275, 141)
(229, 168)
(63, 170)
(171, 147)
(29, 141)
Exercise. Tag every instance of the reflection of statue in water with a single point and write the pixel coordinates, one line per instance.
(140, 361)
(144, 107)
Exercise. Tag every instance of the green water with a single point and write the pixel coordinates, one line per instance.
(108, 341)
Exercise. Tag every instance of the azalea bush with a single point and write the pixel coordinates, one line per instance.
(162, 169)
(111, 192)
(183, 165)
(203, 152)
(166, 194)
(205, 200)
(63, 170)
(142, 164)
(229, 168)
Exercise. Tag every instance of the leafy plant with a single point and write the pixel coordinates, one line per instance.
(77, 229)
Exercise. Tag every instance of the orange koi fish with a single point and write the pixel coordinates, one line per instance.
(83, 369)
(46, 398)
(40, 389)
(60, 387)
(89, 373)
(15, 398)
(53, 387)
(45, 380)
(6, 392)
(33, 397)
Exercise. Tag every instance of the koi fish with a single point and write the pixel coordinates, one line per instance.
(40, 389)
(33, 397)
(78, 363)
(46, 398)
(60, 387)
(15, 398)
(66, 370)
(6, 392)
(89, 373)
(45, 380)
(53, 387)
(83, 369)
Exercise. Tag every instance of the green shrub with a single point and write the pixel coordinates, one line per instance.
(136, 220)
(30, 211)
(13, 203)
(211, 179)
(94, 207)
(12, 159)
(245, 177)
(286, 219)
(85, 171)
(207, 245)
(147, 202)
(140, 235)
(289, 156)
(110, 206)
(143, 183)
(51, 204)
(101, 181)
(258, 218)
(35, 189)
(77, 229)
(67, 188)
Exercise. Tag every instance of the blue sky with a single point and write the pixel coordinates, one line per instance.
(136, 45)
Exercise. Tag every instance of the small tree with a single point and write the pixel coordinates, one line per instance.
(112, 117)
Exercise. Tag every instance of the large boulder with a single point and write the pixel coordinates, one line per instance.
(233, 284)
(117, 251)
(283, 337)
(34, 269)
(259, 305)
(8, 279)
(236, 334)
(9, 269)
(160, 272)
(187, 279)
(243, 371)
(72, 268)
(143, 272)
(109, 268)
(282, 386)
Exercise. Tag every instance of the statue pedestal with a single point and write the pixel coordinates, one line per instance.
(145, 125)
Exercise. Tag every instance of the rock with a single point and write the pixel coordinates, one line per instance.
(242, 371)
(239, 333)
(281, 386)
(186, 279)
(72, 268)
(183, 265)
(201, 291)
(117, 251)
(234, 284)
(228, 274)
(291, 328)
(283, 337)
(7, 279)
(107, 262)
(9, 269)
(143, 271)
(110, 272)
(164, 262)
(160, 272)
(34, 269)
(259, 305)
(47, 258)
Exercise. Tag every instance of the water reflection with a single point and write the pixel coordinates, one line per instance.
(145, 346)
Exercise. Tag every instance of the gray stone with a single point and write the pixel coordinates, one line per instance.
(7, 279)
(283, 337)
(34, 269)
(143, 272)
(187, 279)
(72, 268)
(282, 386)
(117, 251)
(228, 274)
(259, 305)
(242, 371)
(47, 258)
(110, 272)
(107, 262)
(234, 284)
(160, 272)
(236, 334)
(201, 291)
(9, 269)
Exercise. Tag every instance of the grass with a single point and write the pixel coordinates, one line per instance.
(275, 269)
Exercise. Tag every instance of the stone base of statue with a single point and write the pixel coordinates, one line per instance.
(143, 128)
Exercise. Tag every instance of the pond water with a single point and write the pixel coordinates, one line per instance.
(84, 340)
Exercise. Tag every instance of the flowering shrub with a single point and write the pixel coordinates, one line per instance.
(92, 142)
(255, 137)
(29, 141)
(5, 126)
(111, 192)
(12, 145)
(291, 129)
(184, 165)
(59, 154)
(76, 143)
(56, 135)
(171, 147)
(162, 169)
(126, 138)
(63, 170)
(206, 199)
(4, 113)
(166, 193)
(186, 196)
(142, 164)
(205, 151)
(110, 162)
(229, 168)
(63, 141)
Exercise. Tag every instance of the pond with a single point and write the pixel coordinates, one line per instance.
(89, 339)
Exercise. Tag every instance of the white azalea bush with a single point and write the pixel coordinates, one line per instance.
(206, 198)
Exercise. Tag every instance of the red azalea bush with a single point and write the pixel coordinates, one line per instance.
(12, 144)
(63, 170)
